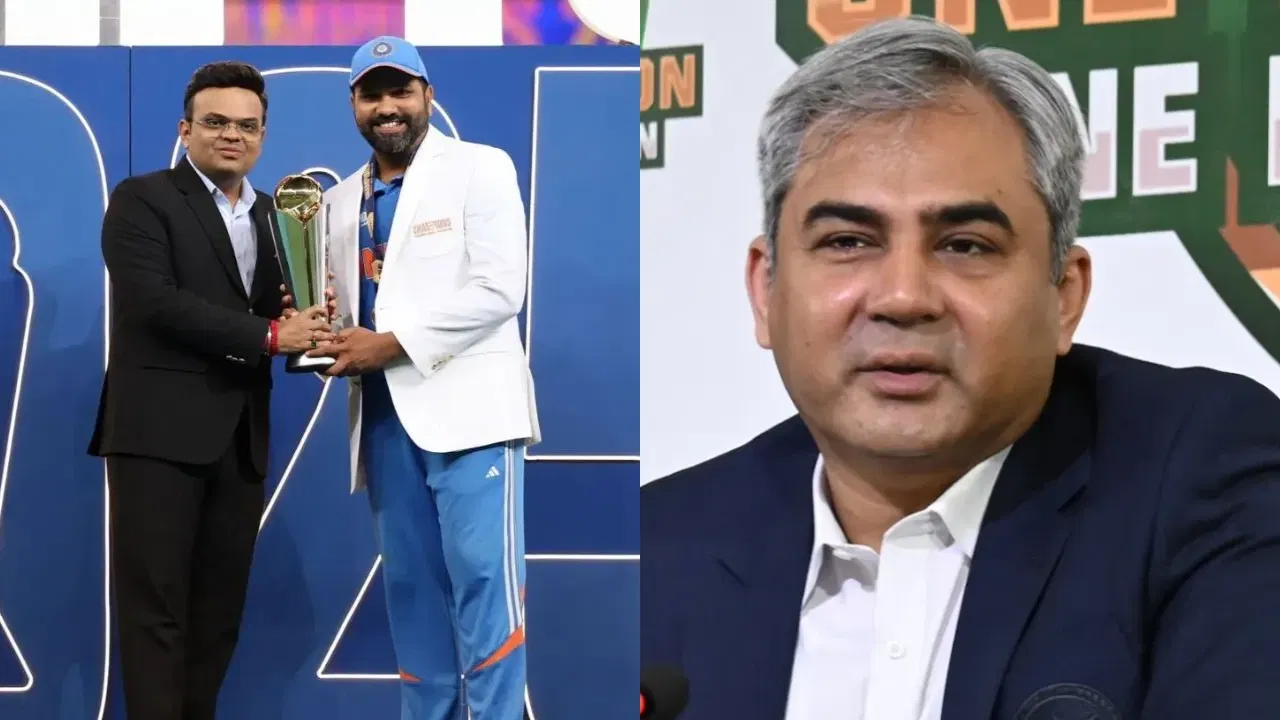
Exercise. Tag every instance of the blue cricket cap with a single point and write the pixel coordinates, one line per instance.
(387, 51)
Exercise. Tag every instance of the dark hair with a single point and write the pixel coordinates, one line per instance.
(226, 74)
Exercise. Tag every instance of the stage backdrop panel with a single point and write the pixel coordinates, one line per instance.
(63, 143)
(584, 289)
(314, 642)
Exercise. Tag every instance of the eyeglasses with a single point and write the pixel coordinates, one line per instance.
(219, 125)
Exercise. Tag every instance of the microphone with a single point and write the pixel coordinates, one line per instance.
(664, 692)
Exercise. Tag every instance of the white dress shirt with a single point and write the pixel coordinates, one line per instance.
(876, 629)
(244, 237)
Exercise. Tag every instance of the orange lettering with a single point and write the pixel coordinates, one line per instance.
(959, 14)
(1030, 14)
(1112, 11)
(1018, 14)
(676, 82)
(833, 19)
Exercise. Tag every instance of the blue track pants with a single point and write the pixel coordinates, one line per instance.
(450, 528)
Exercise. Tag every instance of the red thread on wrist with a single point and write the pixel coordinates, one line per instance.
(273, 344)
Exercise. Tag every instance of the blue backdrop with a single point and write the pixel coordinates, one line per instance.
(314, 643)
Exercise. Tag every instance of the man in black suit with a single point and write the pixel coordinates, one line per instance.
(196, 316)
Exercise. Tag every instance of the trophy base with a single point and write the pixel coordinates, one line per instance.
(300, 363)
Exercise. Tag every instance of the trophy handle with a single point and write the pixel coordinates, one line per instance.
(326, 259)
(278, 247)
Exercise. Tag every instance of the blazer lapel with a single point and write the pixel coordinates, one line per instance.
(346, 220)
(264, 225)
(766, 559)
(206, 211)
(420, 181)
(1025, 528)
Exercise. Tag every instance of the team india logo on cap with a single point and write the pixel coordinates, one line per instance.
(381, 49)
(1181, 102)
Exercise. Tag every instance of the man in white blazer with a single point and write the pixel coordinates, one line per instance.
(429, 255)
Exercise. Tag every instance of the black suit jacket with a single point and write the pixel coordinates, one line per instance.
(1128, 564)
(187, 342)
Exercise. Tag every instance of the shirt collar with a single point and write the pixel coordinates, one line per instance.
(380, 187)
(247, 195)
(959, 510)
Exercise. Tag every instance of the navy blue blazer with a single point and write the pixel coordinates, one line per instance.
(1128, 564)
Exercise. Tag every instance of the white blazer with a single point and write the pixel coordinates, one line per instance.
(453, 281)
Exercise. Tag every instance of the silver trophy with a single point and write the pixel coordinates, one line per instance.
(303, 248)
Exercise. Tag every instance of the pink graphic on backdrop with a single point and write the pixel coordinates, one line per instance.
(1099, 180)
(1156, 175)
(311, 22)
(545, 22)
(1275, 154)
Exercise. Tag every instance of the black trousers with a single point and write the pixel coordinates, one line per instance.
(182, 539)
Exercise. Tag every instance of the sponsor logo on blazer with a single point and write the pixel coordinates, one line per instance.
(431, 227)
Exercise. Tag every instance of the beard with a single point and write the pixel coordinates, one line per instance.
(401, 143)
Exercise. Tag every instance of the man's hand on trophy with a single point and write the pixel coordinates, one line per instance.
(358, 350)
(304, 330)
